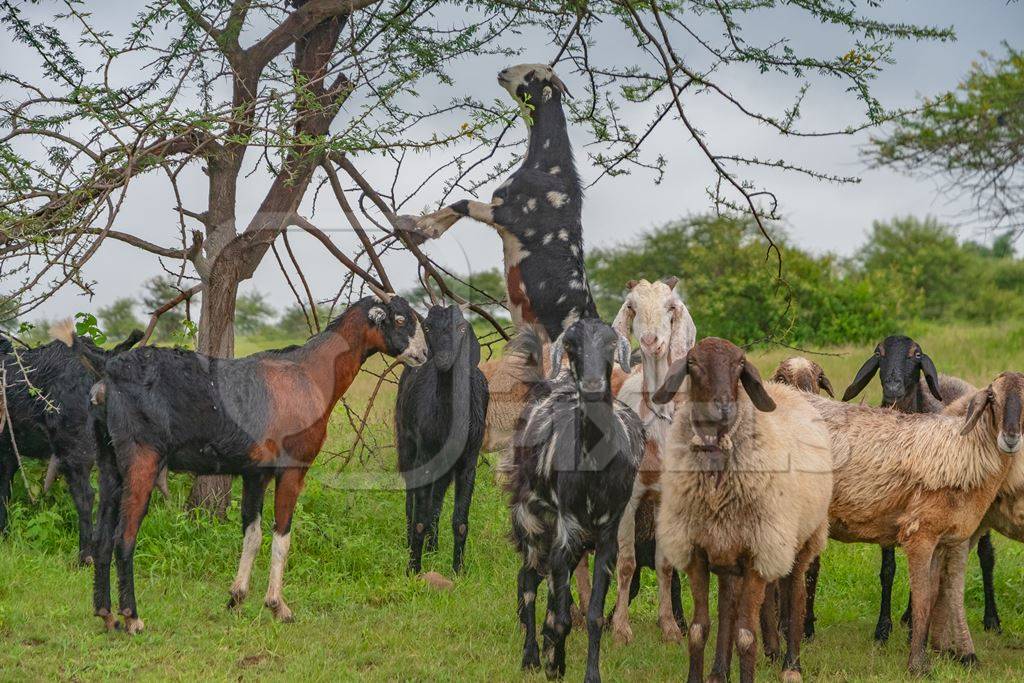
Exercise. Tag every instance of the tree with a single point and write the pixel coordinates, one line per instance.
(252, 313)
(971, 138)
(118, 319)
(316, 87)
(486, 287)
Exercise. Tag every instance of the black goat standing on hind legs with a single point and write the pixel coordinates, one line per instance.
(439, 423)
(536, 212)
(54, 421)
(569, 476)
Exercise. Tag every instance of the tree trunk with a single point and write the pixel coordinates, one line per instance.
(216, 339)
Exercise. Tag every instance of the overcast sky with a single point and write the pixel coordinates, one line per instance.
(819, 216)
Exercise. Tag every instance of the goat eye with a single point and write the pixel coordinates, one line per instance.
(399, 320)
(462, 328)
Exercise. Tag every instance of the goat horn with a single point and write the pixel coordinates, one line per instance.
(380, 293)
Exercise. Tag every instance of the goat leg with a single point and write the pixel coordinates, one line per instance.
(812, 589)
(987, 559)
(886, 575)
(529, 579)
(604, 563)
(697, 572)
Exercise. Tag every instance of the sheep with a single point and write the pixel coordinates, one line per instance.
(899, 362)
(745, 493)
(806, 375)
(54, 421)
(536, 212)
(924, 481)
(262, 417)
(568, 476)
(439, 423)
(657, 317)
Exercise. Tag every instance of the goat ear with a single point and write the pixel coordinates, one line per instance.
(377, 315)
(864, 375)
(557, 82)
(630, 284)
(671, 281)
(931, 375)
(557, 349)
(684, 333)
(825, 384)
(976, 408)
(623, 322)
(624, 353)
(751, 379)
(677, 372)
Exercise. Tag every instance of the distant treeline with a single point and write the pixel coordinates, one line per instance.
(907, 270)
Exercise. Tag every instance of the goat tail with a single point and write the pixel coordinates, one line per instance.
(528, 346)
(64, 331)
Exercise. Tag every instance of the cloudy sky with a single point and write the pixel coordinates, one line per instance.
(819, 216)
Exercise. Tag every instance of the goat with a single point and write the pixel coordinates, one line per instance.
(745, 493)
(569, 476)
(657, 317)
(439, 423)
(899, 363)
(536, 211)
(924, 481)
(52, 423)
(262, 417)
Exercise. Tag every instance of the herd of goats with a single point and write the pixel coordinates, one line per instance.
(677, 456)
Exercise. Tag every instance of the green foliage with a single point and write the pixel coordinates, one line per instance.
(298, 322)
(86, 325)
(966, 281)
(732, 291)
(119, 318)
(252, 313)
(973, 137)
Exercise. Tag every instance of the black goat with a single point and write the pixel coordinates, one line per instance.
(537, 212)
(439, 423)
(899, 363)
(569, 475)
(54, 421)
(262, 417)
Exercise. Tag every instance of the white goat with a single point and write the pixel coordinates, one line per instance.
(655, 315)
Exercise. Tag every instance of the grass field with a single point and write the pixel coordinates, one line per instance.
(358, 616)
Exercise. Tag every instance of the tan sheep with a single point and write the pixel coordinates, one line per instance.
(924, 482)
(745, 493)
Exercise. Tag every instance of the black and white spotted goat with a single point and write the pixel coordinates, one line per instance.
(536, 212)
(570, 473)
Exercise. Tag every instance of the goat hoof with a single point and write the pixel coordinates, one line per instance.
(85, 560)
(237, 598)
(882, 632)
(670, 631)
(968, 661)
(531, 660)
(109, 622)
(992, 624)
(920, 666)
(791, 676)
(622, 633)
(133, 625)
(281, 611)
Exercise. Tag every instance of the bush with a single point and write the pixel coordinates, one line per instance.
(732, 290)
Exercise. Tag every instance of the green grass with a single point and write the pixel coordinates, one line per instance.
(359, 616)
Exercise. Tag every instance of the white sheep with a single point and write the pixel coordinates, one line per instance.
(745, 493)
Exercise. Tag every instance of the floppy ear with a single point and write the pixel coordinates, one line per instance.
(676, 374)
(751, 379)
(825, 384)
(864, 375)
(557, 349)
(684, 333)
(377, 315)
(979, 402)
(623, 323)
(624, 353)
(931, 375)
